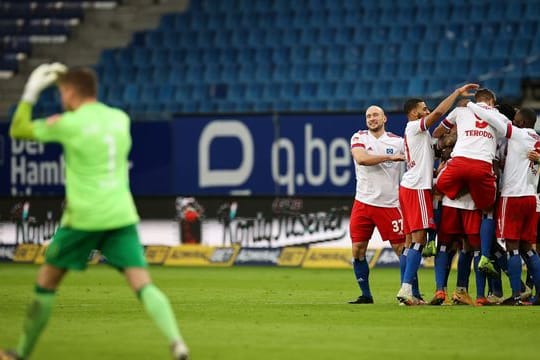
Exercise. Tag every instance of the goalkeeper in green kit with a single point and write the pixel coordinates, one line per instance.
(100, 212)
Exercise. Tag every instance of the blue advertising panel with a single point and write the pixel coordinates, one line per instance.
(275, 155)
(29, 168)
(267, 155)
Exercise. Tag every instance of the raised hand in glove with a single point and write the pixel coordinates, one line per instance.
(41, 78)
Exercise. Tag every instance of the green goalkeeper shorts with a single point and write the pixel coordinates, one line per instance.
(70, 248)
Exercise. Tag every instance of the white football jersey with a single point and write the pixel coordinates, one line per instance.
(419, 155)
(378, 185)
(464, 202)
(476, 139)
(520, 176)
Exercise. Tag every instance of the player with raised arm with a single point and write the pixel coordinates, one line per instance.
(471, 169)
(415, 191)
(377, 158)
(100, 212)
(517, 218)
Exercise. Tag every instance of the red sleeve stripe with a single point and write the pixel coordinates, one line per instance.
(423, 124)
(509, 130)
(358, 145)
(447, 124)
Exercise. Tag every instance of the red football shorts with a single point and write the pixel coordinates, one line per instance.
(365, 217)
(417, 208)
(476, 176)
(517, 219)
(459, 222)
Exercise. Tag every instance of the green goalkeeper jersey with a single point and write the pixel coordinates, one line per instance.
(96, 141)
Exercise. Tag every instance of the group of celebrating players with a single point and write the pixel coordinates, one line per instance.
(479, 202)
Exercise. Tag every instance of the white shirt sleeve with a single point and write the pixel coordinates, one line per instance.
(450, 119)
(493, 117)
(357, 141)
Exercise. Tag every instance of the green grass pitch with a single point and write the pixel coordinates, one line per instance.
(263, 313)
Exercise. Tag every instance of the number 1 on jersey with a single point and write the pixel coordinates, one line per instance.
(111, 145)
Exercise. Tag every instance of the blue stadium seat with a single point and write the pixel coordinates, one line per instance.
(290, 37)
(511, 87)
(160, 57)
(463, 50)
(352, 72)
(533, 69)
(445, 50)
(141, 57)
(482, 49)
(532, 10)
(407, 52)
(271, 91)
(298, 72)
(406, 69)
(501, 49)
(390, 51)
(254, 92)
(315, 72)
(210, 55)
(416, 32)
(354, 54)
(495, 11)
(361, 89)
(334, 72)
(389, 70)
(434, 33)
(281, 73)
(373, 53)
(308, 36)
(316, 54)
(398, 88)
(166, 94)
(148, 94)
(236, 92)
(224, 39)
(416, 87)
(308, 91)
(528, 29)
(299, 54)
(397, 34)
(435, 85)
(344, 36)
(212, 73)
(262, 55)
(178, 74)
(492, 83)
(344, 89)
(335, 54)
(289, 91)
(507, 31)
(263, 72)
(371, 70)
(194, 74)
(520, 48)
(427, 50)
(379, 35)
(326, 90)
(230, 73)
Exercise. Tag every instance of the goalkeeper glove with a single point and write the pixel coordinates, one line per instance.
(430, 249)
(42, 77)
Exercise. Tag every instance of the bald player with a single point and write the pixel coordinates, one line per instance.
(378, 159)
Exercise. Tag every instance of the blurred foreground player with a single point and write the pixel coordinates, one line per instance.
(100, 212)
(378, 157)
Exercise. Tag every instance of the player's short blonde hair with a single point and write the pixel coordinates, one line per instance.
(82, 79)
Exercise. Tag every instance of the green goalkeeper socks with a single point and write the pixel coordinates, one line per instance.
(158, 307)
(37, 317)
